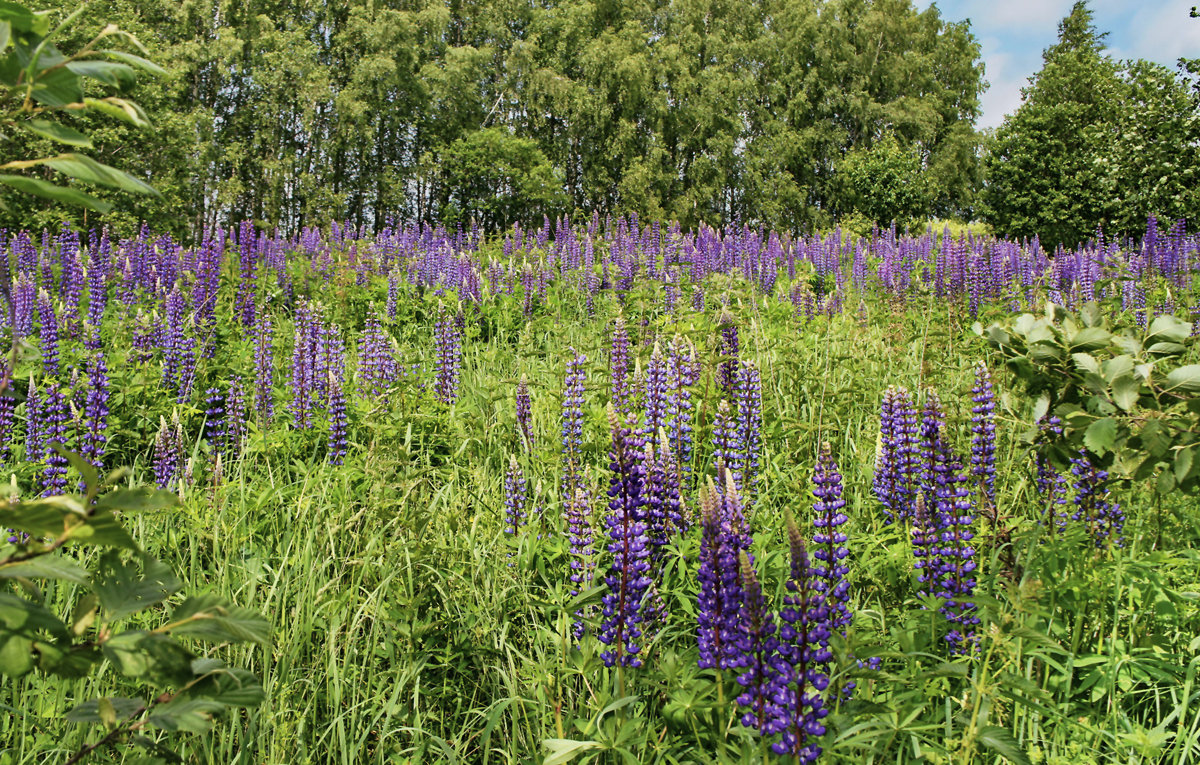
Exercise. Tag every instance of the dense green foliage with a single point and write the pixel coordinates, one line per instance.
(1095, 145)
(300, 112)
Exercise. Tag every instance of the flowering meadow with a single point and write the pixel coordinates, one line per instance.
(612, 491)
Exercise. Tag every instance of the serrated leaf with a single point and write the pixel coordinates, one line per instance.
(1167, 328)
(57, 132)
(1184, 379)
(46, 190)
(208, 617)
(89, 711)
(1184, 459)
(1002, 742)
(190, 715)
(229, 686)
(128, 586)
(1090, 339)
(1101, 436)
(45, 567)
(1125, 392)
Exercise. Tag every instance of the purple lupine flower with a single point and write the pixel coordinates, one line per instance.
(627, 581)
(765, 670)
(377, 365)
(618, 365)
(54, 415)
(983, 437)
(720, 598)
(656, 394)
(698, 301)
(8, 407)
(829, 540)
(572, 423)
(24, 305)
(748, 396)
(683, 371)
(727, 446)
(803, 635)
(727, 368)
(214, 421)
(168, 451)
(448, 348)
(577, 517)
(516, 497)
(179, 348)
(303, 363)
(664, 497)
(907, 454)
(248, 252)
(94, 436)
(956, 553)
(1051, 484)
(931, 439)
(48, 322)
(35, 447)
(235, 414)
(524, 411)
(338, 422)
(264, 370)
(1103, 517)
(99, 263)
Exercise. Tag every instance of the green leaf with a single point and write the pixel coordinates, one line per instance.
(141, 499)
(113, 75)
(135, 61)
(138, 653)
(208, 617)
(564, 750)
(1125, 392)
(1184, 379)
(128, 586)
(102, 528)
(5, 35)
(89, 711)
(22, 18)
(190, 715)
(45, 190)
(1001, 741)
(1167, 328)
(1101, 436)
(126, 111)
(1184, 459)
(89, 170)
(24, 617)
(1090, 339)
(57, 88)
(45, 567)
(16, 654)
(46, 517)
(226, 685)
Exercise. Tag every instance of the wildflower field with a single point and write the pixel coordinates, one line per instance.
(606, 491)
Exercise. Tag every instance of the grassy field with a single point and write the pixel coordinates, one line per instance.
(410, 626)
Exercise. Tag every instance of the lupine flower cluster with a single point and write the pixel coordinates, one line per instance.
(516, 497)
(898, 461)
(447, 340)
(627, 580)
(618, 365)
(572, 423)
(748, 394)
(524, 407)
(1102, 517)
(168, 452)
(983, 435)
(729, 349)
(94, 426)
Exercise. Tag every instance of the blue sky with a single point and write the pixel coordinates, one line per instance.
(1013, 34)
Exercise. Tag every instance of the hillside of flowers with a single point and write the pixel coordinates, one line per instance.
(614, 491)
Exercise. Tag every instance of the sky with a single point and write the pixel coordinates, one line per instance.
(1013, 34)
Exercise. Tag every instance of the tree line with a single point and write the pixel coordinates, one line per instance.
(793, 114)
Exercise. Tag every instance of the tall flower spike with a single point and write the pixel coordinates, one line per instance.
(572, 423)
(803, 635)
(1103, 517)
(94, 437)
(55, 415)
(954, 557)
(524, 410)
(727, 446)
(713, 615)
(657, 392)
(618, 365)
(983, 437)
(829, 541)
(765, 671)
(727, 368)
(683, 371)
(577, 512)
(627, 581)
(264, 369)
(448, 348)
(338, 422)
(516, 497)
